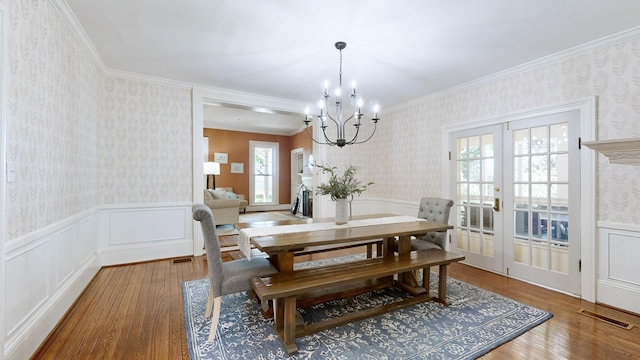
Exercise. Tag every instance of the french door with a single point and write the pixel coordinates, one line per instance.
(543, 221)
(515, 201)
(477, 167)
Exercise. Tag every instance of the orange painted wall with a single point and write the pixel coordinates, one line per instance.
(302, 140)
(236, 144)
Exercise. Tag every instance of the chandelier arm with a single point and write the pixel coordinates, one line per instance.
(355, 137)
(375, 125)
(318, 142)
(326, 138)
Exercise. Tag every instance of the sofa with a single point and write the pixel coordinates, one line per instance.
(225, 205)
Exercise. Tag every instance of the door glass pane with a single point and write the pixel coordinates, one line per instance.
(474, 170)
(521, 196)
(463, 170)
(521, 223)
(462, 148)
(521, 168)
(539, 167)
(559, 167)
(559, 196)
(474, 147)
(539, 196)
(539, 140)
(559, 140)
(487, 145)
(521, 142)
(487, 169)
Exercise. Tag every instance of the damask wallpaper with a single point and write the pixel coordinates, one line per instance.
(145, 142)
(55, 101)
(404, 158)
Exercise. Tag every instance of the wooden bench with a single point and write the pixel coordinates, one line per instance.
(287, 286)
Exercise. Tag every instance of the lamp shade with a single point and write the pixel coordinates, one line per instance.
(211, 168)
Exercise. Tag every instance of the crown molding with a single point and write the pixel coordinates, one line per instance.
(70, 19)
(148, 78)
(606, 41)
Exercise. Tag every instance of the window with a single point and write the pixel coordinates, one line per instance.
(264, 172)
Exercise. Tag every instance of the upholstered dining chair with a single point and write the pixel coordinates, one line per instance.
(437, 210)
(225, 277)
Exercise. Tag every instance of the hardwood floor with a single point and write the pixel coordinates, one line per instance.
(136, 312)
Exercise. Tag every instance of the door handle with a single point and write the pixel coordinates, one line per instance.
(496, 204)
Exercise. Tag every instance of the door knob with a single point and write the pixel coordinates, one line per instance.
(496, 204)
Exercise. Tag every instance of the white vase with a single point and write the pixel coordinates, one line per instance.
(342, 211)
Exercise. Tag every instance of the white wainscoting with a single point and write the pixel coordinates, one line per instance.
(46, 272)
(618, 282)
(48, 269)
(135, 233)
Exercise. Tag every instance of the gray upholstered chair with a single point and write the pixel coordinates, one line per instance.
(225, 277)
(437, 210)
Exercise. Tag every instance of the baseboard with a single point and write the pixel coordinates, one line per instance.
(133, 253)
(278, 207)
(619, 295)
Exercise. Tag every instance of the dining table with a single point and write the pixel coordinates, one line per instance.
(281, 240)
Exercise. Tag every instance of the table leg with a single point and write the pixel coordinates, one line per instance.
(389, 245)
(285, 262)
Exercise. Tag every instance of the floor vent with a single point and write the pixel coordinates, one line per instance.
(614, 322)
(181, 260)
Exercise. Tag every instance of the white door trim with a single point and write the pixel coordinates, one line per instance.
(587, 109)
(4, 33)
(200, 96)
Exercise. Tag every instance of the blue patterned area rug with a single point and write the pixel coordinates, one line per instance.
(476, 322)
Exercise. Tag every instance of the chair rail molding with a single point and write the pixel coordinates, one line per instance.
(619, 151)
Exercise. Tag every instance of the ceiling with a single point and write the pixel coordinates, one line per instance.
(396, 51)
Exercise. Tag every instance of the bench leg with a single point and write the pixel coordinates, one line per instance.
(426, 278)
(442, 285)
(369, 251)
(288, 335)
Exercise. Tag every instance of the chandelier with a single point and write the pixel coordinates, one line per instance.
(338, 118)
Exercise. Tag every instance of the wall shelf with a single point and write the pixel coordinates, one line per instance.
(622, 151)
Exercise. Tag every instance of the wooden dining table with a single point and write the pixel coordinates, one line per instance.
(282, 244)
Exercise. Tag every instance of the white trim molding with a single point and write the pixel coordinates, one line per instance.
(622, 151)
(4, 31)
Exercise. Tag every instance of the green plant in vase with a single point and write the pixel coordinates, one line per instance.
(340, 188)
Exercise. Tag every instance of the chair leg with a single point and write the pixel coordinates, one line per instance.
(217, 304)
(207, 311)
